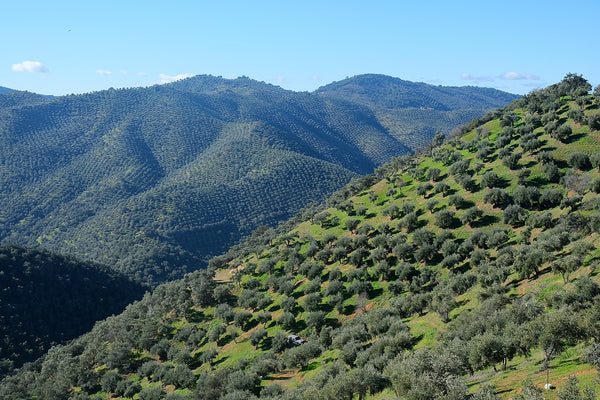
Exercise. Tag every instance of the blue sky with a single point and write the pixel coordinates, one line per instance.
(62, 47)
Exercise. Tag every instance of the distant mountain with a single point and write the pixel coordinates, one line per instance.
(391, 93)
(155, 181)
(48, 299)
(411, 111)
(13, 98)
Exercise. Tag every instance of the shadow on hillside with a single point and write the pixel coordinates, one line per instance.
(416, 339)
(299, 325)
(513, 284)
(573, 138)
(562, 164)
(348, 309)
(537, 181)
(266, 343)
(503, 183)
(274, 307)
(421, 223)
(465, 204)
(332, 322)
(219, 361)
(530, 164)
(375, 293)
(484, 221)
(195, 316)
(464, 268)
(450, 192)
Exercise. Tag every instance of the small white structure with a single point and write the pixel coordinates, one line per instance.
(295, 340)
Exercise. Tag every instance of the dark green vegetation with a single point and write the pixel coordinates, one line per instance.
(413, 112)
(469, 269)
(155, 181)
(47, 299)
(15, 98)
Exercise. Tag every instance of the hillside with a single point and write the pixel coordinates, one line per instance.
(468, 269)
(155, 181)
(47, 299)
(412, 111)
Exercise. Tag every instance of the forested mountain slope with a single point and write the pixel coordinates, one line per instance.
(47, 299)
(468, 269)
(412, 111)
(154, 181)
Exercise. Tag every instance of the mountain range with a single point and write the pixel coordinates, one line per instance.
(467, 271)
(153, 182)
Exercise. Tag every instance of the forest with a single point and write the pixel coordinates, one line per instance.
(155, 181)
(468, 270)
(48, 299)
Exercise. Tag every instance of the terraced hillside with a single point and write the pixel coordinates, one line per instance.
(154, 181)
(468, 269)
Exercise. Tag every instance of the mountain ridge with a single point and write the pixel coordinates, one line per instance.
(78, 169)
(365, 89)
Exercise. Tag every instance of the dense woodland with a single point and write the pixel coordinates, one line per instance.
(155, 181)
(47, 299)
(469, 270)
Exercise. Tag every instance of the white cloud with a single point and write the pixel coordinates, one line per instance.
(164, 78)
(513, 76)
(280, 79)
(470, 77)
(30, 66)
(104, 72)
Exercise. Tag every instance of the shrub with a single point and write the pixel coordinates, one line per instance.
(595, 185)
(423, 188)
(444, 219)
(550, 198)
(511, 160)
(152, 393)
(552, 172)
(352, 224)
(544, 157)
(579, 160)
(497, 197)
(562, 133)
(594, 122)
(433, 174)
(514, 215)
(470, 215)
(490, 179)
(457, 201)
